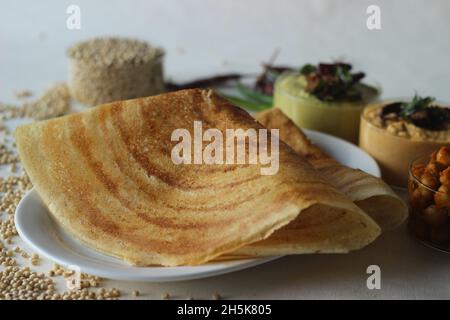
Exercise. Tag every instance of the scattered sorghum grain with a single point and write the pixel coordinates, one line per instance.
(24, 284)
(110, 69)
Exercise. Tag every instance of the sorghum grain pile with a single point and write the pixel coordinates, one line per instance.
(110, 69)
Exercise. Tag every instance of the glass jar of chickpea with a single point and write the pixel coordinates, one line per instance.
(429, 197)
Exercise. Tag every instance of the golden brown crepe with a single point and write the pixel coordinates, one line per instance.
(107, 177)
(320, 229)
(370, 193)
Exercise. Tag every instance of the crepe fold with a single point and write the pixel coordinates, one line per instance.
(370, 193)
(107, 177)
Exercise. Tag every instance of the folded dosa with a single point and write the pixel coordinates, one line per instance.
(107, 177)
(370, 193)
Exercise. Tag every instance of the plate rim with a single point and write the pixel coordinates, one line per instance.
(309, 132)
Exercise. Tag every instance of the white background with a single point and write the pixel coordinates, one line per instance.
(201, 37)
(410, 52)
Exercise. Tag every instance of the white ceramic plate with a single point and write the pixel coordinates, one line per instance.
(39, 231)
(344, 152)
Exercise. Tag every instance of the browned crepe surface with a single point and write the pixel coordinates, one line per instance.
(370, 193)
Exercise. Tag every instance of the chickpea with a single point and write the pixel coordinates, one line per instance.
(432, 169)
(434, 216)
(418, 170)
(443, 156)
(444, 177)
(440, 235)
(430, 181)
(421, 197)
(442, 197)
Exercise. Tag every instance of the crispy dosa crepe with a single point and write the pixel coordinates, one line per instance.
(370, 193)
(107, 177)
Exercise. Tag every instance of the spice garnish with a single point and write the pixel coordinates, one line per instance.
(333, 81)
(420, 111)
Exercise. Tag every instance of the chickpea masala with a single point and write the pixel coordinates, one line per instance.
(429, 197)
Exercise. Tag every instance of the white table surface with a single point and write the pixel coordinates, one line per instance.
(204, 38)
